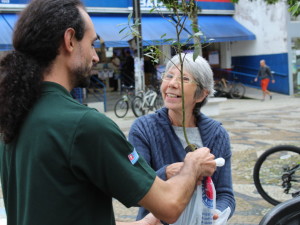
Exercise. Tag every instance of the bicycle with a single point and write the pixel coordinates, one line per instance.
(236, 90)
(276, 174)
(151, 100)
(122, 105)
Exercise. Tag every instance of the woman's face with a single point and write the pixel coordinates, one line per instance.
(171, 91)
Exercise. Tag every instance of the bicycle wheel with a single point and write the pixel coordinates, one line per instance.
(237, 91)
(137, 106)
(159, 102)
(274, 176)
(121, 108)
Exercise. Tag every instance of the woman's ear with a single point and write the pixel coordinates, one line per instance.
(203, 96)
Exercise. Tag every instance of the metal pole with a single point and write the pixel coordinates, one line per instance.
(138, 57)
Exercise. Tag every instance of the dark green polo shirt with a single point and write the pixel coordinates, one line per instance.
(67, 164)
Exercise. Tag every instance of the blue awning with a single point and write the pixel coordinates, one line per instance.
(214, 29)
(155, 30)
(7, 23)
(109, 27)
(160, 31)
(221, 29)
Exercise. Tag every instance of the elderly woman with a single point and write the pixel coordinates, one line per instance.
(159, 137)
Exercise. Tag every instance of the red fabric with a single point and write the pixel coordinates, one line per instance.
(264, 84)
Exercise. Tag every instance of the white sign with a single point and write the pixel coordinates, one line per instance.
(213, 58)
(150, 4)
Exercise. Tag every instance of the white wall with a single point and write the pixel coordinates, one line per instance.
(267, 22)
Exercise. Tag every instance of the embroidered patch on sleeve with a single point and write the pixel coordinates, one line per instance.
(133, 157)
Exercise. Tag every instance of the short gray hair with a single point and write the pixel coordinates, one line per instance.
(199, 69)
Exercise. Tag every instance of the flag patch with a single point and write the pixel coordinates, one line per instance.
(133, 157)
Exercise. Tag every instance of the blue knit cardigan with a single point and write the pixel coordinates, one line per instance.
(154, 138)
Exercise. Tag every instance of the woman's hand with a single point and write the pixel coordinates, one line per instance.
(215, 216)
(173, 169)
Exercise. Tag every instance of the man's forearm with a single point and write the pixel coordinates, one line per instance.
(167, 199)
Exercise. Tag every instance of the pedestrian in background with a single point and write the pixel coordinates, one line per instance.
(128, 69)
(62, 162)
(264, 74)
(116, 63)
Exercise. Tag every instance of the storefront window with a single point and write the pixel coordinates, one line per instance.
(296, 65)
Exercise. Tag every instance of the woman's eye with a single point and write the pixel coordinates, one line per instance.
(186, 79)
(169, 76)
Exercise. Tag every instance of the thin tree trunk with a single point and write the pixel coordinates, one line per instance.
(193, 16)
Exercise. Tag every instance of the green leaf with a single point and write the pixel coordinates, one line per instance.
(169, 40)
(137, 22)
(295, 9)
(129, 17)
(152, 10)
(196, 53)
(122, 24)
(135, 32)
(122, 30)
(198, 34)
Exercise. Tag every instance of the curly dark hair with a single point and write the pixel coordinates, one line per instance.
(37, 38)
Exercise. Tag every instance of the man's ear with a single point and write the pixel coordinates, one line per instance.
(69, 39)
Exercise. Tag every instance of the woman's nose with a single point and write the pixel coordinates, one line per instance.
(174, 82)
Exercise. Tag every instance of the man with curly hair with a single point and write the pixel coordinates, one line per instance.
(62, 162)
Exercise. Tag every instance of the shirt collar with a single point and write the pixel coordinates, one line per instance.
(52, 86)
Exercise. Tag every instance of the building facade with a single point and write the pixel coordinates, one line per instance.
(235, 37)
(277, 41)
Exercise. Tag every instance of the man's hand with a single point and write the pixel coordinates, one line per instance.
(173, 169)
(202, 160)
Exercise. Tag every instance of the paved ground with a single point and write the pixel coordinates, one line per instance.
(254, 126)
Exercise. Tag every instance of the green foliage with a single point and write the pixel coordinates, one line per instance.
(153, 53)
(181, 11)
(294, 7)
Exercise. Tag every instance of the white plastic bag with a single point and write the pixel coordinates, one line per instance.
(201, 207)
(223, 217)
(192, 214)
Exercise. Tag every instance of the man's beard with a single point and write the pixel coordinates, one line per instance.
(81, 77)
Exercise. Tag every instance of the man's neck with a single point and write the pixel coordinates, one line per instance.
(58, 74)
